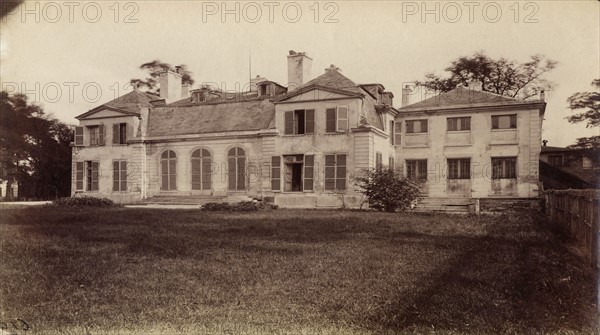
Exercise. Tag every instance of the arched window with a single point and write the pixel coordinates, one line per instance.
(201, 170)
(236, 163)
(168, 168)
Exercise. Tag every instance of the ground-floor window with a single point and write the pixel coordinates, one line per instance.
(416, 169)
(168, 170)
(120, 176)
(79, 175)
(201, 164)
(504, 167)
(92, 175)
(335, 172)
(459, 168)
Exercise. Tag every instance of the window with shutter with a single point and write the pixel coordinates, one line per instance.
(276, 173)
(330, 120)
(79, 136)
(378, 160)
(416, 169)
(310, 121)
(116, 133)
(289, 123)
(79, 176)
(392, 132)
(92, 175)
(342, 119)
(309, 172)
(459, 123)
(101, 134)
(398, 133)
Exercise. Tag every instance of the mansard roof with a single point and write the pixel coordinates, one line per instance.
(463, 97)
(255, 114)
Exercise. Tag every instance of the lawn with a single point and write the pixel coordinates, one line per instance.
(143, 271)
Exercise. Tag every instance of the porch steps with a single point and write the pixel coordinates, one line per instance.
(446, 205)
(182, 200)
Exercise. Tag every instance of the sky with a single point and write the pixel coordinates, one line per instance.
(72, 56)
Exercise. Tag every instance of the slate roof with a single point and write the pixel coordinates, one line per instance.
(463, 97)
(558, 149)
(334, 79)
(128, 103)
(210, 117)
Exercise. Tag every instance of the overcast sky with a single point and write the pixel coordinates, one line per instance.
(78, 48)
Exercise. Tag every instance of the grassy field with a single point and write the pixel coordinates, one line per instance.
(140, 271)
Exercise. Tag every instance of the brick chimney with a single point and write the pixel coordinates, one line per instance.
(170, 86)
(299, 66)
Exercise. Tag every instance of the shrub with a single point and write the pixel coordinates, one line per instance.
(387, 190)
(84, 201)
(242, 206)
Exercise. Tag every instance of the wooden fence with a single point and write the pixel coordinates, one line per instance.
(577, 211)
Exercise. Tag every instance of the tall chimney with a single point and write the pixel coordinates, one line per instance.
(170, 86)
(185, 91)
(299, 65)
(406, 91)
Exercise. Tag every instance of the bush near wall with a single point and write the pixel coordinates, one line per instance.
(84, 201)
(242, 206)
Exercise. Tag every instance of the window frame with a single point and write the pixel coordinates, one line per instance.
(458, 123)
(89, 176)
(460, 169)
(512, 117)
(121, 175)
(168, 159)
(418, 168)
(309, 123)
(412, 127)
(506, 172)
(338, 120)
(336, 169)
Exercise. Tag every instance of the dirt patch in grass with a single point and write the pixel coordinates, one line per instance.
(140, 271)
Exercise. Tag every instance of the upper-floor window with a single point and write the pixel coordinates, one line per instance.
(94, 132)
(78, 135)
(556, 160)
(459, 123)
(504, 121)
(416, 126)
(299, 122)
(120, 133)
(336, 119)
(392, 133)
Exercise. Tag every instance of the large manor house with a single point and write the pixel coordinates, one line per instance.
(302, 145)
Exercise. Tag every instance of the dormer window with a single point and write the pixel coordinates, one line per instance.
(199, 96)
(263, 89)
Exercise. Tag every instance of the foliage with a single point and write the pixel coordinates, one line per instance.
(155, 68)
(34, 148)
(590, 101)
(84, 201)
(243, 206)
(387, 190)
(501, 76)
